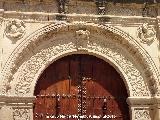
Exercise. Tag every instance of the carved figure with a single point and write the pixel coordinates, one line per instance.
(147, 34)
(15, 29)
(83, 34)
(101, 7)
(62, 6)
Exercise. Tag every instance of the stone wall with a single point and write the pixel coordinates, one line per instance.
(29, 28)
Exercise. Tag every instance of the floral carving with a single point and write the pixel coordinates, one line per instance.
(16, 59)
(30, 68)
(15, 29)
(21, 114)
(147, 34)
(142, 114)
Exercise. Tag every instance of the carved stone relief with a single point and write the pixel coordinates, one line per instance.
(81, 37)
(142, 114)
(21, 114)
(101, 7)
(17, 58)
(15, 29)
(30, 68)
(62, 8)
(146, 34)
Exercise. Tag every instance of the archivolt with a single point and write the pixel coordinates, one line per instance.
(24, 69)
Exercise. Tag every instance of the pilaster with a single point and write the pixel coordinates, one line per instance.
(144, 108)
(16, 108)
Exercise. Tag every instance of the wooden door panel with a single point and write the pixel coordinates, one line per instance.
(81, 85)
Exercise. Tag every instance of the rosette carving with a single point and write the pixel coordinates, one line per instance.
(147, 34)
(15, 30)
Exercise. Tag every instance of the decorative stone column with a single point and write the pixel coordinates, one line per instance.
(16, 108)
(144, 108)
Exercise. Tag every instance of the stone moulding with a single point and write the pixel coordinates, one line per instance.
(16, 62)
(51, 17)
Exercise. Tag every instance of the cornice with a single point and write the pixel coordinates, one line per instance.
(14, 99)
(143, 101)
(52, 17)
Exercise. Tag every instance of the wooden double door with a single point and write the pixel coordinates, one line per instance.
(80, 87)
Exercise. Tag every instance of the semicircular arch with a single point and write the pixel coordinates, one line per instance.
(55, 44)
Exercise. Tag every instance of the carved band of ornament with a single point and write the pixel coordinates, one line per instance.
(21, 114)
(142, 114)
(128, 43)
(15, 30)
(142, 55)
(18, 55)
(146, 34)
(31, 67)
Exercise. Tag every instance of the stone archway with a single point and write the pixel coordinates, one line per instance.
(60, 39)
(81, 84)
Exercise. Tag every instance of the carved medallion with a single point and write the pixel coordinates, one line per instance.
(146, 34)
(82, 36)
(15, 30)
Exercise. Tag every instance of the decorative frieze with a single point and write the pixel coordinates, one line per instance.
(142, 114)
(21, 114)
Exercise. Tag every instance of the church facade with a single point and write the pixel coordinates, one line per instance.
(75, 39)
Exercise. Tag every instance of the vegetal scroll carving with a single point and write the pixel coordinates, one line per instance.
(21, 114)
(142, 114)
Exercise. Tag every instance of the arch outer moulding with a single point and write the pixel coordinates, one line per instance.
(56, 40)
